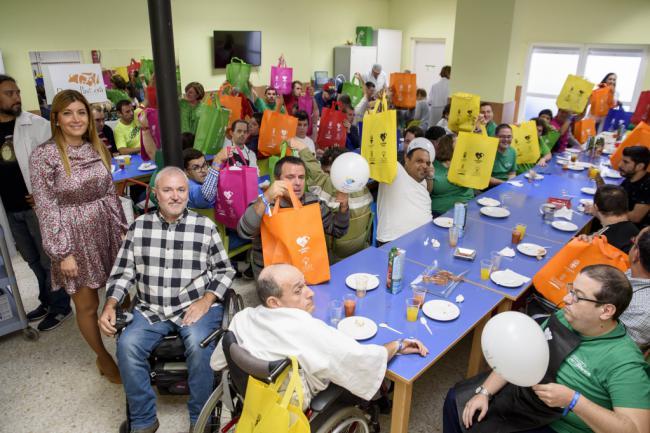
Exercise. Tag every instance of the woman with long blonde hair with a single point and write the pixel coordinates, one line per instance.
(80, 215)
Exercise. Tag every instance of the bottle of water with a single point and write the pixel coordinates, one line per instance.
(460, 216)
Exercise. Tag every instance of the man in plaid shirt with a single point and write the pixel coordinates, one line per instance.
(177, 263)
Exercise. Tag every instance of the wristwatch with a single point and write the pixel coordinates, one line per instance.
(481, 390)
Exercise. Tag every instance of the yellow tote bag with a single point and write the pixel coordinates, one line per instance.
(266, 411)
(525, 142)
(123, 72)
(463, 112)
(575, 94)
(471, 165)
(379, 142)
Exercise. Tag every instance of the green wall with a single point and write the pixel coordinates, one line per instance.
(305, 31)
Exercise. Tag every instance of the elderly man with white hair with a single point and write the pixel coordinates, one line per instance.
(405, 204)
(175, 260)
(377, 77)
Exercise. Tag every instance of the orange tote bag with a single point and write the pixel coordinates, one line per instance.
(276, 128)
(551, 281)
(583, 129)
(233, 103)
(295, 235)
(601, 101)
(403, 87)
(640, 136)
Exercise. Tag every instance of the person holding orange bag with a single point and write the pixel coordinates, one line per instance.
(290, 173)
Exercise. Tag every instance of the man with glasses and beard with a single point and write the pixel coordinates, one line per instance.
(596, 380)
(20, 133)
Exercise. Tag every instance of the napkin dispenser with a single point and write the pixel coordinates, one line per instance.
(560, 202)
(465, 253)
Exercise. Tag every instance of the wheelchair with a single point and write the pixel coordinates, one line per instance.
(332, 410)
(168, 371)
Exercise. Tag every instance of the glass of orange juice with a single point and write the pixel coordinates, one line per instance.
(412, 308)
(486, 267)
(521, 228)
(593, 172)
(127, 159)
(349, 304)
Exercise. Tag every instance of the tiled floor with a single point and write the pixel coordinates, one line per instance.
(52, 385)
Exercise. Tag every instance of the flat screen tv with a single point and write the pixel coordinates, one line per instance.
(245, 45)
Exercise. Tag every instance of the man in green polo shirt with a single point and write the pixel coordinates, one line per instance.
(488, 118)
(271, 101)
(601, 385)
(127, 130)
(505, 163)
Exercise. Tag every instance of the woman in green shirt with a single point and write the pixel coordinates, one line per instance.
(189, 107)
(544, 150)
(445, 193)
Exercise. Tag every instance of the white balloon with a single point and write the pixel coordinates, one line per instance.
(349, 172)
(515, 346)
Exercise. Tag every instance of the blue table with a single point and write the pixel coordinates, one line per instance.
(130, 171)
(381, 306)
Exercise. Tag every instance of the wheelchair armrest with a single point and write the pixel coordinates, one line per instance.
(326, 397)
(214, 336)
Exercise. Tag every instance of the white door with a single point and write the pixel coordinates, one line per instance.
(428, 60)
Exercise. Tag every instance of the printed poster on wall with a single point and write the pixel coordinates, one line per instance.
(85, 78)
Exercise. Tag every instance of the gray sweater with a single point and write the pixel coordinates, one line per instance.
(335, 224)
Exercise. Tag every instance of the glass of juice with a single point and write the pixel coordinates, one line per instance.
(454, 233)
(565, 166)
(412, 308)
(574, 157)
(127, 159)
(516, 236)
(349, 303)
(335, 311)
(522, 230)
(419, 294)
(486, 267)
(361, 285)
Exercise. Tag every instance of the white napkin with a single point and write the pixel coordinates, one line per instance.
(507, 252)
(565, 213)
(511, 275)
(460, 298)
(435, 243)
(516, 183)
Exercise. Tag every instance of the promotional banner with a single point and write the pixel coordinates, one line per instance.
(85, 78)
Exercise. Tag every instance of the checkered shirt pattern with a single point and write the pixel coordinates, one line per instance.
(171, 265)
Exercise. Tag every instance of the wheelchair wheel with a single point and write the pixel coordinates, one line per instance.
(207, 415)
(341, 419)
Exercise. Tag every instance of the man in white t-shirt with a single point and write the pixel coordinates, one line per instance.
(405, 204)
(377, 77)
(283, 326)
(301, 131)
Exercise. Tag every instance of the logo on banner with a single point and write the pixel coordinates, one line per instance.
(87, 79)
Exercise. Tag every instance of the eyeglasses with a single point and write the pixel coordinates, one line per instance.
(195, 167)
(575, 298)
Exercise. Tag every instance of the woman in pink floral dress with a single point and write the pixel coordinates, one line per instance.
(80, 215)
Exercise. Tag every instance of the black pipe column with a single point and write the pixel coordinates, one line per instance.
(162, 47)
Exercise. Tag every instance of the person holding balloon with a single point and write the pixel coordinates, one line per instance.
(580, 372)
(340, 172)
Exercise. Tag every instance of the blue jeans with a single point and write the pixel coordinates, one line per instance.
(27, 235)
(135, 345)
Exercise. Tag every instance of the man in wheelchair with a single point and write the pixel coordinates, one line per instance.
(283, 326)
(175, 259)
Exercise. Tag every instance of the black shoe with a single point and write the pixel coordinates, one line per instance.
(53, 321)
(37, 314)
(248, 273)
